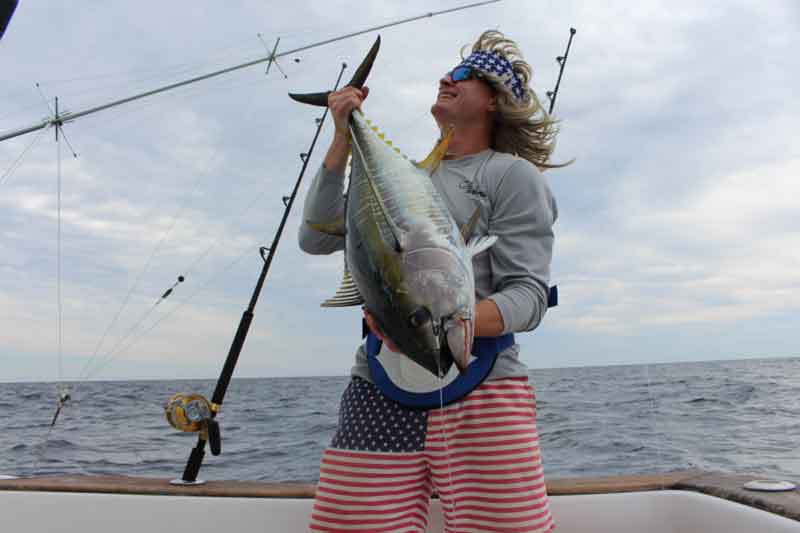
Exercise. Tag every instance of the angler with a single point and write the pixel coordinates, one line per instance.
(407, 261)
(404, 432)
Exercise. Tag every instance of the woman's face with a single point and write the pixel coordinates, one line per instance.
(466, 101)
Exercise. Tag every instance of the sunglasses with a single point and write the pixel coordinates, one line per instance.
(464, 73)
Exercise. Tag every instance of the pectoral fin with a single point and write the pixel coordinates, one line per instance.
(469, 227)
(479, 244)
(431, 163)
(335, 228)
(347, 295)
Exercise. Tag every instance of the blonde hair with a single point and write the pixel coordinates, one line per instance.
(522, 128)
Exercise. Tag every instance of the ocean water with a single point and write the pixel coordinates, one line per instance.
(733, 416)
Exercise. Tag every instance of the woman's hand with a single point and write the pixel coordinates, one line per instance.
(342, 103)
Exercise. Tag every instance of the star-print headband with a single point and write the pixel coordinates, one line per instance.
(494, 63)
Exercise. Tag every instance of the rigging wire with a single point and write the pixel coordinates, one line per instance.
(64, 394)
(653, 407)
(165, 236)
(257, 199)
(134, 335)
(209, 61)
(118, 347)
(111, 353)
(18, 161)
(72, 116)
(58, 252)
(124, 349)
(145, 268)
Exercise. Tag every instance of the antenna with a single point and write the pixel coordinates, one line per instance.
(270, 58)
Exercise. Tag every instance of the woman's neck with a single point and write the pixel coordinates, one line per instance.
(464, 145)
(467, 141)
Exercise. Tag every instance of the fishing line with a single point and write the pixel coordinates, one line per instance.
(113, 355)
(63, 393)
(193, 264)
(145, 268)
(42, 447)
(103, 360)
(110, 122)
(128, 79)
(58, 254)
(207, 251)
(15, 165)
(652, 428)
(245, 250)
(18, 110)
(117, 348)
(148, 73)
(58, 123)
(443, 431)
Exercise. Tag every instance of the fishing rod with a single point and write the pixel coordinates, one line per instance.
(193, 412)
(272, 57)
(59, 119)
(562, 60)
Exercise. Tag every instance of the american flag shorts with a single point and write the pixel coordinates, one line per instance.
(479, 454)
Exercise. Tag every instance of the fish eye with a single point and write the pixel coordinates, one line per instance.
(419, 318)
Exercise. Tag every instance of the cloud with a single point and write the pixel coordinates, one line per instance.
(677, 215)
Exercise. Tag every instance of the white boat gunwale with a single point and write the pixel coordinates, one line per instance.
(725, 486)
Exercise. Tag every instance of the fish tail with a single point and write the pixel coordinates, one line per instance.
(321, 99)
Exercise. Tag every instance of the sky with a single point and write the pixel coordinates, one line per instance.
(677, 238)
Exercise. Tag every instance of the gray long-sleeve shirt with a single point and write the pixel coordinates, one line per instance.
(516, 205)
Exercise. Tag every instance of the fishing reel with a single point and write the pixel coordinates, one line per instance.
(192, 413)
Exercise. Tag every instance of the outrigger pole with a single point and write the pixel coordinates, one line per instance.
(562, 60)
(267, 253)
(69, 117)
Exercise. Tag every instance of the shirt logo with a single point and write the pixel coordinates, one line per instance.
(471, 189)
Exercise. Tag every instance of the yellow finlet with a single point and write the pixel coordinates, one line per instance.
(347, 295)
(336, 228)
(431, 163)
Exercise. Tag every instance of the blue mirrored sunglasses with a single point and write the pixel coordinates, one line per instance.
(464, 73)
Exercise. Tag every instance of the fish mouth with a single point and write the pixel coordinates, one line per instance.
(457, 339)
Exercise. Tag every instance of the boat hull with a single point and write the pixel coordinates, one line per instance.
(664, 511)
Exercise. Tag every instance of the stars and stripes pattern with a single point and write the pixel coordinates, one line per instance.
(369, 421)
(480, 455)
(491, 62)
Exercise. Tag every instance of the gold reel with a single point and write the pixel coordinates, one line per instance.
(187, 412)
(192, 413)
